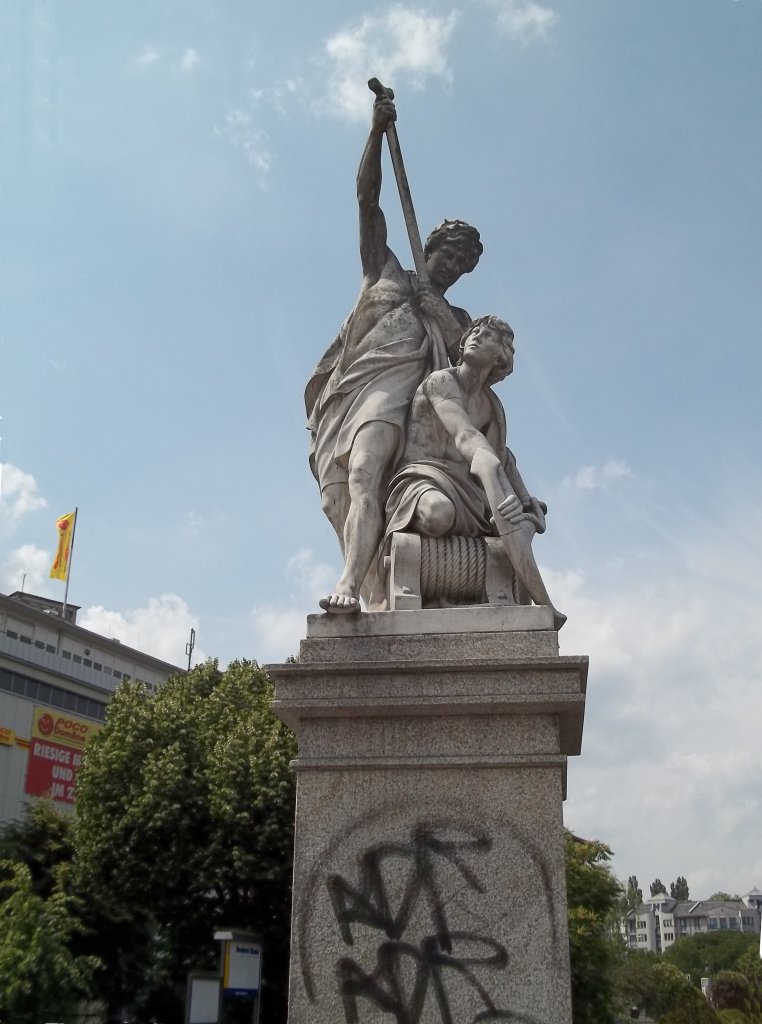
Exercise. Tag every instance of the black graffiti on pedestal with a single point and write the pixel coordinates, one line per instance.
(441, 953)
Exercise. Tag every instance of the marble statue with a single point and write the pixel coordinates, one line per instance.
(456, 476)
(358, 398)
(401, 440)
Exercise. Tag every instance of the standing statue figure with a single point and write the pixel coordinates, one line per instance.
(359, 395)
(456, 475)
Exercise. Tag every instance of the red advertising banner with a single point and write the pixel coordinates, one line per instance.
(55, 754)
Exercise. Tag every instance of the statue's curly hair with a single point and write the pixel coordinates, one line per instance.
(463, 236)
(505, 333)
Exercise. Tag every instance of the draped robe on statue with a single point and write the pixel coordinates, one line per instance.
(378, 385)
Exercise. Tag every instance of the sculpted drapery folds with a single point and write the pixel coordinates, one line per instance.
(400, 439)
(359, 395)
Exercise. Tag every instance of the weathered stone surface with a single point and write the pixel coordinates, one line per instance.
(473, 619)
(429, 867)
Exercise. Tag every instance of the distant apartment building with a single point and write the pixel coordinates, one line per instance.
(661, 920)
(55, 681)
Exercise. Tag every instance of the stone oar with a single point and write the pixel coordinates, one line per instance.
(514, 539)
(404, 188)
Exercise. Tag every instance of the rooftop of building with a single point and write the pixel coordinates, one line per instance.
(46, 612)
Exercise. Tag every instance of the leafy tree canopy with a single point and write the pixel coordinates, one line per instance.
(721, 895)
(733, 1017)
(708, 953)
(660, 989)
(632, 895)
(730, 991)
(185, 804)
(42, 840)
(678, 889)
(658, 886)
(594, 895)
(40, 978)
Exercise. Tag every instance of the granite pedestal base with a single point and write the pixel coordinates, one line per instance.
(429, 865)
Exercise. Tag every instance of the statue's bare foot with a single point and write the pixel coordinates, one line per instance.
(340, 603)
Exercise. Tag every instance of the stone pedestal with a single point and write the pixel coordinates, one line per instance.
(429, 867)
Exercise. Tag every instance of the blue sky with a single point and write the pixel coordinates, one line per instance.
(178, 247)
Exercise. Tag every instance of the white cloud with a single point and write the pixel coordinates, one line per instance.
(31, 561)
(278, 629)
(523, 20)
(147, 56)
(190, 61)
(241, 129)
(403, 46)
(18, 497)
(161, 629)
(670, 768)
(591, 478)
(192, 524)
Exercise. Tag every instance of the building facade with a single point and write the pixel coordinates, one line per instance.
(660, 921)
(56, 679)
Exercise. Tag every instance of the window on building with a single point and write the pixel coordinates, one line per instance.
(66, 654)
(47, 693)
(39, 645)
(712, 924)
(723, 924)
(25, 639)
(50, 648)
(77, 659)
(97, 666)
(12, 634)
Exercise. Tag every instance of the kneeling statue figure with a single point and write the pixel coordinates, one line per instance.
(456, 475)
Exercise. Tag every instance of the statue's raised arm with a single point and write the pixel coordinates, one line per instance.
(359, 396)
(373, 249)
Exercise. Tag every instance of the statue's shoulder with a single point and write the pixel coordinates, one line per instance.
(441, 384)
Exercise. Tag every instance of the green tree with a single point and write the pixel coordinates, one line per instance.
(594, 896)
(40, 978)
(693, 1009)
(678, 889)
(633, 895)
(733, 1017)
(660, 989)
(42, 839)
(708, 953)
(730, 990)
(722, 895)
(185, 804)
(657, 886)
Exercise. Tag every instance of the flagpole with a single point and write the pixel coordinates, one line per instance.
(68, 567)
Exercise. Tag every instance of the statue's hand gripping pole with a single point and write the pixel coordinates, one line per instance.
(516, 541)
(404, 188)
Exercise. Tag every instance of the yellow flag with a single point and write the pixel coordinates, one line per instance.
(65, 524)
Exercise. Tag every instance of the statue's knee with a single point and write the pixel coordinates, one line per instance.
(365, 476)
(434, 514)
(332, 501)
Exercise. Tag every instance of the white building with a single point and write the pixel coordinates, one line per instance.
(55, 681)
(661, 920)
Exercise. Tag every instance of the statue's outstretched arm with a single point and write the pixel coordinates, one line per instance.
(373, 249)
(444, 397)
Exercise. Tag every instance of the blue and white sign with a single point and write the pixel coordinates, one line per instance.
(243, 968)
